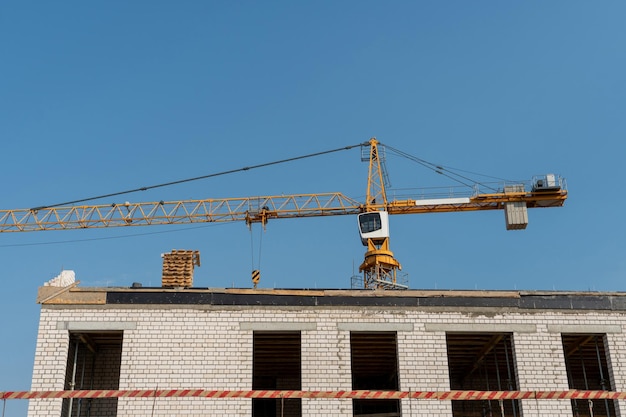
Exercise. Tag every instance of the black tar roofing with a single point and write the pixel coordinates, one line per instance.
(368, 298)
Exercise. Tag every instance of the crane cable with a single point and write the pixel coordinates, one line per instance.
(256, 272)
(232, 171)
(440, 169)
(443, 170)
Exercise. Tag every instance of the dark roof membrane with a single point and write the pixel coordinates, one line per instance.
(300, 298)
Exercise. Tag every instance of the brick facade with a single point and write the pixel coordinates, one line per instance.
(210, 347)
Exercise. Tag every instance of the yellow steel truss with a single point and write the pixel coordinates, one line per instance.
(248, 209)
(379, 266)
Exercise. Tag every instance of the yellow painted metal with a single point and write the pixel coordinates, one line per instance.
(379, 256)
(256, 277)
(379, 266)
(249, 209)
(492, 201)
(376, 194)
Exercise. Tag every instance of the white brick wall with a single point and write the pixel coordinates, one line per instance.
(206, 347)
(321, 407)
(326, 358)
(50, 363)
(541, 354)
(423, 364)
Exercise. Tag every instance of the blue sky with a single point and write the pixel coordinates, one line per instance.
(99, 97)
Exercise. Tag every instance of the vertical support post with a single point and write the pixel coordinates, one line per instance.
(582, 363)
(73, 383)
(93, 370)
(570, 381)
(488, 402)
(82, 382)
(508, 369)
(602, 380)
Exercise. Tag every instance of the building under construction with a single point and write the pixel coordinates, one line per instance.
(381, 338)
(177, 337)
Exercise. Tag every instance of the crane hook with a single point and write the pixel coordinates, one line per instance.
(256, 277)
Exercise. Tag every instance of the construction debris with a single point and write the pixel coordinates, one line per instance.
(64, 279)
(178, 268)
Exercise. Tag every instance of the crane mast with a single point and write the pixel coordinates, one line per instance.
(379, 267)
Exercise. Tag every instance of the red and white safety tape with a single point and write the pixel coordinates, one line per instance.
(357, 394)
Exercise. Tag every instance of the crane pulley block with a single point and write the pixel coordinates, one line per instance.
(256, 277)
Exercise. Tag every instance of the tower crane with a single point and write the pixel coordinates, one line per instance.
(379, 266)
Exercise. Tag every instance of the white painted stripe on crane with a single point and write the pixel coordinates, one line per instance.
(439, 201)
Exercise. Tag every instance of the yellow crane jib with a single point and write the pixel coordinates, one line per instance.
(379, 266)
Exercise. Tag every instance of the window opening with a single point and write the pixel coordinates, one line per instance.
(93, 363)
(374, 359)
(587, 369)
(482, 362)
(276, 365)
(370, 222)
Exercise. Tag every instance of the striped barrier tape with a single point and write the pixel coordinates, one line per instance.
(356, 394)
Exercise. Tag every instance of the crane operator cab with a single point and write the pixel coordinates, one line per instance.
(373, 225)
